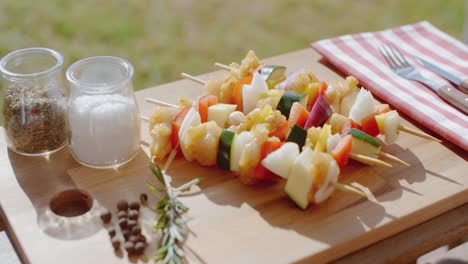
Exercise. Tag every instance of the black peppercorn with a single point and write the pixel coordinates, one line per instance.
(122, 205)
(106, 217)
(123, 223)
(122, 214)
(111, 231)
(136, 230)
(133, 214)
(115, 243)
(129, 247)
(135, 206)
(139, 248)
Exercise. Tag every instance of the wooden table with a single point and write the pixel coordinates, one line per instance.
(234, 223)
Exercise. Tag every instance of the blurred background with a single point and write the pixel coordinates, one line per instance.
(163, 38)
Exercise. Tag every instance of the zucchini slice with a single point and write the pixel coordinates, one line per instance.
(223, 157)
(297, 135)
(356, 133)
(273, 74)
(364, 144)
(301, 179)
(287, 100)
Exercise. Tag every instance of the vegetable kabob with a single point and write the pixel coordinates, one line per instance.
(359, 104)
(312, 175)
(339, 96)
(293, 105)
(276, 124)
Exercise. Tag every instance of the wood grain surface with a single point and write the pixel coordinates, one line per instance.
(450, 228)
(232, 223)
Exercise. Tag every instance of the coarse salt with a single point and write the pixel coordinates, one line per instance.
(104, 129)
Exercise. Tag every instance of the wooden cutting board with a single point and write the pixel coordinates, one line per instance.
(232, 223)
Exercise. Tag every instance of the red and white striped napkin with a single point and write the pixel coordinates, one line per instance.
(358, 55)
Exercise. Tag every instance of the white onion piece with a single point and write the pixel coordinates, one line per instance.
(392, 121)
(191, 119)
(252, 92)
(332, 142)
(363, 107)
(347, 102)
(281, 160)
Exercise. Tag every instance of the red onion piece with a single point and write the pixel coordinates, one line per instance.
(319, 114)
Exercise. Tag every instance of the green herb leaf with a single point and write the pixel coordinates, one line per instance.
(162, 221)
(157, 172)
(154, 188)
(171, 221)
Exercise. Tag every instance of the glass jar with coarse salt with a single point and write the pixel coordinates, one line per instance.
(103, 116)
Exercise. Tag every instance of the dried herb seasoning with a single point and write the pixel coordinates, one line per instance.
(34, 118)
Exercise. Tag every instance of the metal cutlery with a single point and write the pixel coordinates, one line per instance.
(398, 63)
(462, 83)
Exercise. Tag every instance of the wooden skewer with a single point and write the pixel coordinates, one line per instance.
(229, 68)
(192, 78)
(158, 102)
(170, 159)
(144, 118)
(369, 160)
(223, 66)
(418, 133)
(349, 189)
(358, 157)
(393, 158)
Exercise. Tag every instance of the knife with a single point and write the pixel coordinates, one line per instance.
(447, 92)
(462, 83)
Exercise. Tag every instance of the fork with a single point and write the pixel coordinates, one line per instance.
(399, 65)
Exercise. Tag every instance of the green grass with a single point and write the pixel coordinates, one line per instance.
(163, 38)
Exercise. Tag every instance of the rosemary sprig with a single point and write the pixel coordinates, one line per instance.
(171, 221)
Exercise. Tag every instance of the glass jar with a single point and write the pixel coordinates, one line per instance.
(103, 116)
(34, 101)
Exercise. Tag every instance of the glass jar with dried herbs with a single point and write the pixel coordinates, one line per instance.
(34, 101)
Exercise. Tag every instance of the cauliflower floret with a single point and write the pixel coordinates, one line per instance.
(334, 95)
(236, 122)
(162, 114)
(249, 63)
(225, 91)
(160, 131)
(264, 116)
(274, 120)
(239, 128)
(236, 118)
(213, 85)
(202, 143)
(272, 98)
(301, 80)
(313, 134)
(161, 144)
(221, 86)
